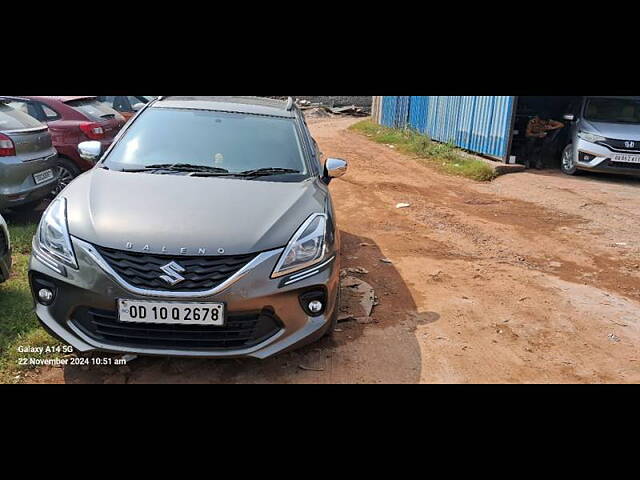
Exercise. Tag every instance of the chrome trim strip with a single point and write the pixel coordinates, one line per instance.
(310, 274)
(604, 143)
(49, 263)
(96, 257)
(306, 274)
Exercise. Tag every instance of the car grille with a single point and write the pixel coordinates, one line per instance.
(240, 331)
(633, 166)
(201, 273)
(619, 145)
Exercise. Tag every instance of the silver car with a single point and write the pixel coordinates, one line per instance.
(5, 251)
(605, 136)
(205, 230)
(28, 161)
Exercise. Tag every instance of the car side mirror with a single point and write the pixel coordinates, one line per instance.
(570, 117)
(334, 168)
(90, 151)
(138, 106)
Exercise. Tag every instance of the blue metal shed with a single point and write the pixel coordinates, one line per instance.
(395, 111)
(481, 124)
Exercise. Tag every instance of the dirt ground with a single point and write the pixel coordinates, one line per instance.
(534, 277)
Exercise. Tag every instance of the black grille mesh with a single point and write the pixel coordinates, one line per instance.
(239, 331)
(635, 166)
(201, 273)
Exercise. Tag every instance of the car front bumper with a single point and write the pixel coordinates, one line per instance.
(601, 159)
(90, 293)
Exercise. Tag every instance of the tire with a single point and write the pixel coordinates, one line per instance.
(567, 163)
(68, 171)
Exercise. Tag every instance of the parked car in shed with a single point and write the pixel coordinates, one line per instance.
(600, 133)
(28, 161)
(605, 136)
(72, 120)
(5, 251)
(128, 106)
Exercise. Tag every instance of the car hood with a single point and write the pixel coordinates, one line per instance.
(617, 131)
(177, 214)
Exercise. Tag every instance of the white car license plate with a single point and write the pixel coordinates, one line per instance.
(626, 158)
(171, 312)
(43, 176)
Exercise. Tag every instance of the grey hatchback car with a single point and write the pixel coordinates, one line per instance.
(28, 161)
(206, 230)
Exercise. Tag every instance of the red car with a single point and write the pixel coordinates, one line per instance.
(72, 120)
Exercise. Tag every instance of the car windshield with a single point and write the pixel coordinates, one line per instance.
(209, 141)
(613, 110)
(13, 119)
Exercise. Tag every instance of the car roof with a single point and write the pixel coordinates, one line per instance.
(250, 105)
(44, 98)
(63, 99)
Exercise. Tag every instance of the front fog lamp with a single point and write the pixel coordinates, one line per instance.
(315, 306)
(585, 157)
(314, 302)
(45, 296)
(306, 248)
(53, 234)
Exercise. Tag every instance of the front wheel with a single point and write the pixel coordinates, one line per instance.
(67, 172)
(568, 164)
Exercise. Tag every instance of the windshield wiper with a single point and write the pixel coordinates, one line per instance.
(258, 172)
(178, 167)
(188, 167)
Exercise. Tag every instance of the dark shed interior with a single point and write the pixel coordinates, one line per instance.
(553, 107)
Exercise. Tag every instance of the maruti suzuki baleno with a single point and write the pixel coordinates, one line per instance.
(206, 229)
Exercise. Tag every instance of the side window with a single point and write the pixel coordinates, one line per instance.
(135, 100)
(30, 108)
(122, 104)
(20, 106)
(49, 113)
(107, 100)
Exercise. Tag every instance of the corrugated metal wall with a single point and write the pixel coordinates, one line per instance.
(395, 111)
(481, 124)
(418, 107)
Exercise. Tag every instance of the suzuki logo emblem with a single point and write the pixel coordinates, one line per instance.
(173, 271)
(629, 144)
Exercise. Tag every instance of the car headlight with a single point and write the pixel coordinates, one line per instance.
(307, 247)
(591, 137)
(53, 234)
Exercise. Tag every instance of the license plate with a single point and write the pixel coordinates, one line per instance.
(627, 158)
(171, 312)
(43, 176)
